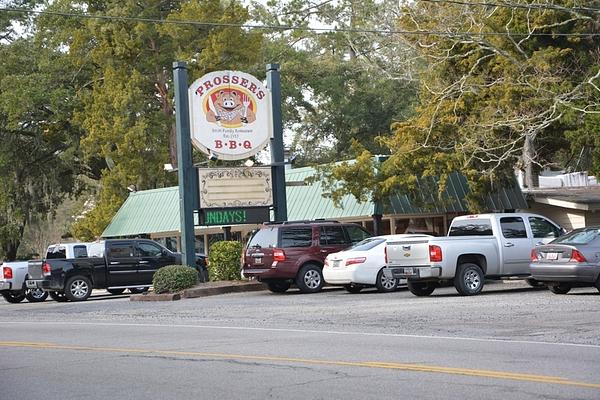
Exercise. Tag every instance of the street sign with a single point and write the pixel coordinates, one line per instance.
(230, 115)
(234, 216)
(235, 187)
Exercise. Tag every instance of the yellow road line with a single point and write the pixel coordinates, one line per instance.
(365, 364)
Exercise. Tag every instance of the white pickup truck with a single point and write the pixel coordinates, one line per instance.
(478, 247)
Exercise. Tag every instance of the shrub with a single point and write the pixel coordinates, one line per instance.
(174, 278)
(224, 261)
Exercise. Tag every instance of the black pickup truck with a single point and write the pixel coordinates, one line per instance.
(114, 265)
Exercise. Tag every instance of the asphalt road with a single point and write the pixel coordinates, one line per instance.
(510, 342)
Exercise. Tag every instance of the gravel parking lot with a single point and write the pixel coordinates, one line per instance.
(510, 310)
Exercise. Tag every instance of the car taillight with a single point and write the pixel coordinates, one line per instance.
(577, 256)
(435, 253)
(278, 255)
(534, 256)
(46, 270)
(356, 260)
(385, 254)
(7, 272)
(326, 263)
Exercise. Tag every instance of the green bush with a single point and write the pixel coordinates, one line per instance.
(224, 261)
(174, 278)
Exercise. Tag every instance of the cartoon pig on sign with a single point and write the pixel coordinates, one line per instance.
(230, 108)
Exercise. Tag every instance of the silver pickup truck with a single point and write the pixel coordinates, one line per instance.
(478, 247)
(12, 284)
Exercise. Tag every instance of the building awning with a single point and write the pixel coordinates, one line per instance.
(157, 211)
(453, 199)
(576, 198)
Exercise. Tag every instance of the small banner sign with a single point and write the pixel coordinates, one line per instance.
(235, 187)
(230, 115)
(234, 216)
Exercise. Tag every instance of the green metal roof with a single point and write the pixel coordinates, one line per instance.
(146, 211)
(157, 210)
(306, 201)
(504, 199)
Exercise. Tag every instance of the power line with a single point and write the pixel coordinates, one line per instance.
(288, 27)
(535, 6)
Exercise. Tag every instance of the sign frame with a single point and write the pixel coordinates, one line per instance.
(230, 115)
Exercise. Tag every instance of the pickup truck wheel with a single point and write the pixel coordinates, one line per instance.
(421, 288)
(115, 291)
(78, 288)
(14, 297)
(469, 279)
(352, 288)
(310, 279)
(561, 288)
(278, 285)
(58, 296)
(36, 295)
(385, 284)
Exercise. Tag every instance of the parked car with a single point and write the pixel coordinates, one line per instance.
(478, 247)
(279, 254)
(114, 265)
(570, 261)
(12, 284)
(362, 265)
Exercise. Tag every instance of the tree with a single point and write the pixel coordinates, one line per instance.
(39, 154)
(495, 81)
(334, 88)
(127, 112)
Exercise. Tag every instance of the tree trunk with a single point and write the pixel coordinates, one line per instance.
(530, 180)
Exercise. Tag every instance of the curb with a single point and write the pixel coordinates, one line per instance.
(155, 297)
(230, 287)
(202, 290)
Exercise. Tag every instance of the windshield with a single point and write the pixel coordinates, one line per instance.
(367, 244)
(579, 236)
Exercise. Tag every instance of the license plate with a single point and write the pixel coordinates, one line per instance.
(337, 264)
(409, 271)
(258, 260)
(31, 284)
(552, 256)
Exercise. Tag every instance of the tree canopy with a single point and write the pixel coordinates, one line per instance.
(435, 87)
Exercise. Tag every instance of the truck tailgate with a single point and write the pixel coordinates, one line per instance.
(409, 252)
(35, 270)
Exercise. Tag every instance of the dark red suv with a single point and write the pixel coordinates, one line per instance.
(279, 254)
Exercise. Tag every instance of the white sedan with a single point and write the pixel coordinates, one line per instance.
(362, 265)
